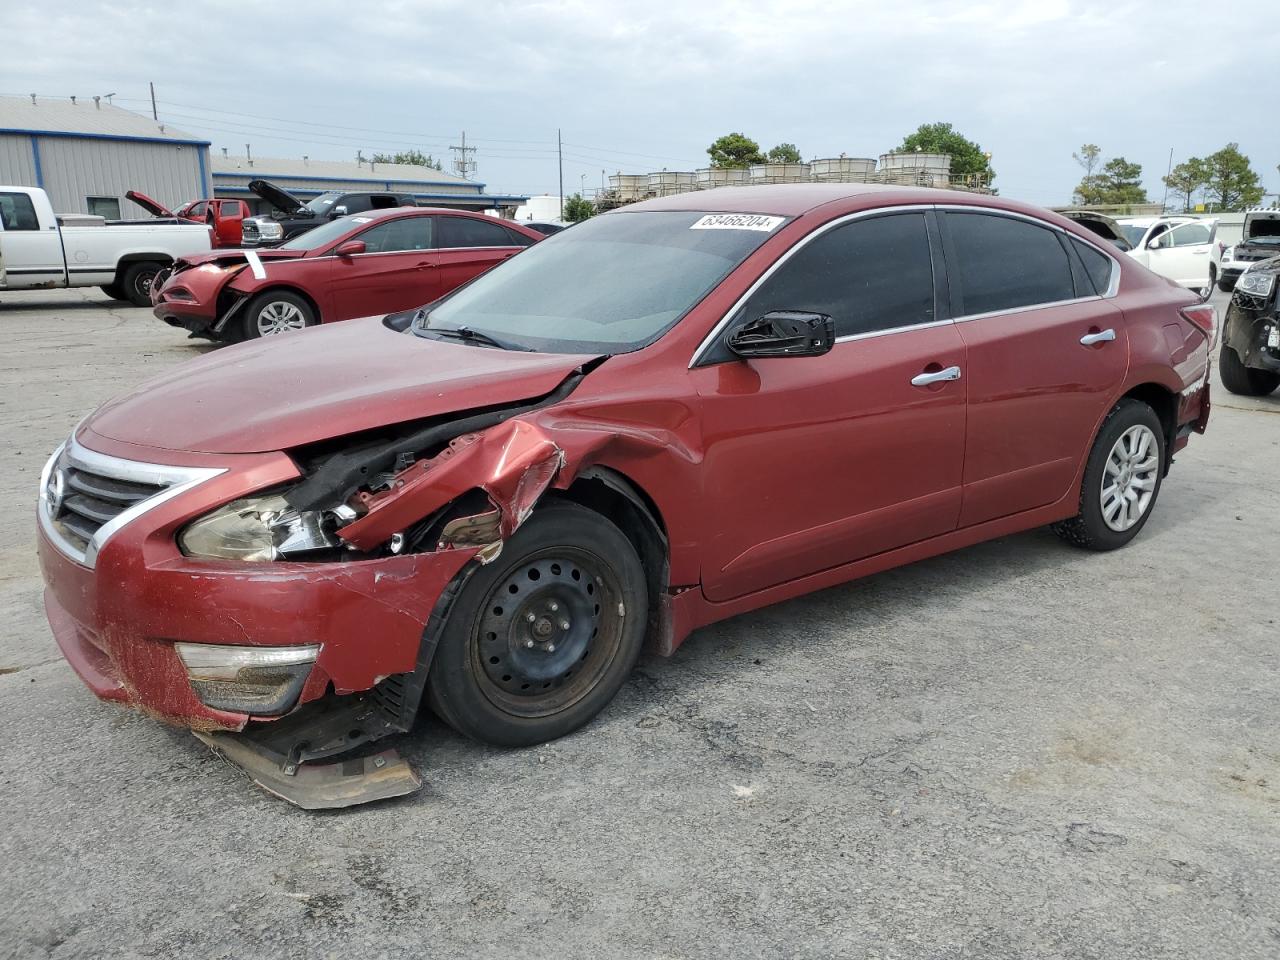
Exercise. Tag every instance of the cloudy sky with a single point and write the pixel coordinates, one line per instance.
(642, 86)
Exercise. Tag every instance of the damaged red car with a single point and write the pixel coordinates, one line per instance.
(370, 263)
(673, 413)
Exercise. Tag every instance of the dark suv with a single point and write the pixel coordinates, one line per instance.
(292, 217)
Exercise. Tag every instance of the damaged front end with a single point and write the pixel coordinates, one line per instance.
(1252, 324)
(450, 491)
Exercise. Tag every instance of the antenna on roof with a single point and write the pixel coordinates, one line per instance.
(33, 99)
(73, 100)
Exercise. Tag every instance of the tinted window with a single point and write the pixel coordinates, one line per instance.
(1190, 234)
(867, 275)
(355, 203)
(411, 233)
(1096, 265)
(1005, 263)
(17, 212)
(467, 232)
(519, 239)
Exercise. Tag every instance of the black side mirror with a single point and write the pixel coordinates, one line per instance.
(784, 333)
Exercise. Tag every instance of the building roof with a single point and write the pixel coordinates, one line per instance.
(60, 117)
(278, 168)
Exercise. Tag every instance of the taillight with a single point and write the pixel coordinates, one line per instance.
(1204, 317)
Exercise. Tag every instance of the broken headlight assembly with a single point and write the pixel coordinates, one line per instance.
(1256, 284)
(263, 527)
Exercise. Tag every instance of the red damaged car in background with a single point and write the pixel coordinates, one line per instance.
(224, 217)
(673, 413)
(371, 263)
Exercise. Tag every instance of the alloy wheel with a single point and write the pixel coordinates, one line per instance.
(1129, 480)
(279, 316)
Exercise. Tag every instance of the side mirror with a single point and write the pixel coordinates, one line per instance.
(1155, 243)
(350, 248)
(339, 211)
(784, 333)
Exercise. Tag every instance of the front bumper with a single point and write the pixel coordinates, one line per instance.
(117, 621)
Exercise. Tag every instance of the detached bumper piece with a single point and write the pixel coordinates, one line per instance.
(282, 757)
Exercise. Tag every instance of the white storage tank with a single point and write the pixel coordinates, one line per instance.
(844, 169)
(629, 186)
(665, 183)
(916, 169)
(709, 177)
(778, 173)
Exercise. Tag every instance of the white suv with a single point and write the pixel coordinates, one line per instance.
(1180, 248)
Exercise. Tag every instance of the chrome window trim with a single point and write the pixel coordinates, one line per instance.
(718, 329)
(177, 481)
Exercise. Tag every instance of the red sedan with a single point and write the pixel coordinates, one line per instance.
(673, 413)
(369, 263)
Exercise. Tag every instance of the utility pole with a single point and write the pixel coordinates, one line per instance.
(560, 158)
(1165, 201)
(462, 163)
(154, 115)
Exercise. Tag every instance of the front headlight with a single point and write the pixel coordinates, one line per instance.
(270, 229)
(257, 528)
(1229, 253)
(1256, 284)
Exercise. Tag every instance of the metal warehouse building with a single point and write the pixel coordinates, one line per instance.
(307, 178)
(87, 154)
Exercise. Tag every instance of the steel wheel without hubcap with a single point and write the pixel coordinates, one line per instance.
(1129, 480)
(548, 631)
(279, 316)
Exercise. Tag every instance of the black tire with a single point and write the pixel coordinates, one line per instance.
(135, 282)
(502, 678)
(1242, 380)
(286, 304)
(113, 290)
(1226, 285)
(1089, 528)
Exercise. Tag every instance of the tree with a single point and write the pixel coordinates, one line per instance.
(1230, 183)
(784, 153)
(967, 158)
(1088, 157)
(577, 209)
(1120, 182)
(411, 156)
(1185, 179)
(735, 150)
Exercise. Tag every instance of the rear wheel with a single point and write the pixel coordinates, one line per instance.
(1121, 479)
(113, 290)
(275, 312)
(541, 639)
(136, 281)
(1243, 380)
(1226, 284)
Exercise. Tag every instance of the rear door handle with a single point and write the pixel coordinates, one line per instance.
(1089, 339)
(937, 376)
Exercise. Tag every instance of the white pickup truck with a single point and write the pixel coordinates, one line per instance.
(41, 251)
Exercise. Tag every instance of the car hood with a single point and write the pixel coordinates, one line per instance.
(279, 198)
(327, 382)
(153, 207)
(232, 257)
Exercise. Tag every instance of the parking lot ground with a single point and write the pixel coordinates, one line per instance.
(1019, 750)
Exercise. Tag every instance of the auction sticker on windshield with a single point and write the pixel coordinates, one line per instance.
(738, 221)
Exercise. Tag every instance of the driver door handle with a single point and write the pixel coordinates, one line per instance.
(1089, 339)
(938, 376)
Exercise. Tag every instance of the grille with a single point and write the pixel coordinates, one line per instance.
(249, 230)
(91, 500)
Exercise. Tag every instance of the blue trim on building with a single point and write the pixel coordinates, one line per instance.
(102, 136)
(35, 160)
(252, 174)
(204, 179)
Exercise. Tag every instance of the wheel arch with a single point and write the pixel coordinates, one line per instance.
(287, 287)
(127, 260)
(625, 503)
(1165, 404)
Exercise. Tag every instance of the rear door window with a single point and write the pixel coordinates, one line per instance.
(1190, 234)
(409, 233)
(469, 232)
(17, 212)
(1004, 263)
(868, 275)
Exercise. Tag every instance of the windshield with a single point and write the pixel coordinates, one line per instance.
(320, 205)
(322, 235)
(1132, 233)
(611, 284)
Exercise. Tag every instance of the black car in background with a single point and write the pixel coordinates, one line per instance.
(292, 217)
